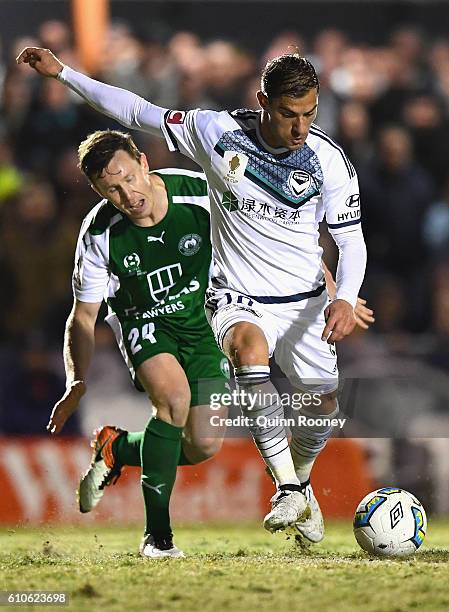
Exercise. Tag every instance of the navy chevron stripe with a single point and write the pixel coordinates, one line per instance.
(320, 134)
(336, 225)
(260, 183)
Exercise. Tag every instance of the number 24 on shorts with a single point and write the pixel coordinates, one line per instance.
(147, 334)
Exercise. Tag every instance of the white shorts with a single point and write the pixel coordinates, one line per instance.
(293, 331)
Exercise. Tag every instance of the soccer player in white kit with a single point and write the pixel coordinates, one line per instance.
(273, 176)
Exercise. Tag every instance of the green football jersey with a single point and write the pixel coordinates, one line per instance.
(150, 272)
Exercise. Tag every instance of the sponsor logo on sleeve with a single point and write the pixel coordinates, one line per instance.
(349, 216)
(176, 117)
(353, 201)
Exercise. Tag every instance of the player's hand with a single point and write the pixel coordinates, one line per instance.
(340, 321)
(364, 316)
(42, 60)
(66, 406)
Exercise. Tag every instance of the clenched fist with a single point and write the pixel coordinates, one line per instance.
(42, 60)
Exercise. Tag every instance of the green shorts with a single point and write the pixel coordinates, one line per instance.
(205, 366)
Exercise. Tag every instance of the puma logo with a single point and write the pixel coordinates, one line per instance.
(157, 488)
(156, 239)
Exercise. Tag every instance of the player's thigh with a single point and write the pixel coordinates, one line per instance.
(243, 329)
(207, 371)
(206, 368)
(309, 363)
(165, 381)
(151, 354)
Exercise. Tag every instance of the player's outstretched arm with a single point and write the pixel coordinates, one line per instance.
(364, 316)
(79, 341)
(127, 108)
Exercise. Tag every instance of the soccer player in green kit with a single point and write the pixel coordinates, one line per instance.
(145, 248)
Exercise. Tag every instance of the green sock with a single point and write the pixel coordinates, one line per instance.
(160, 449)
(126, 450)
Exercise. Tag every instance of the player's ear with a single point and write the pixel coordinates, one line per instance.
(262, 99)
(144, 162)
(92, 186)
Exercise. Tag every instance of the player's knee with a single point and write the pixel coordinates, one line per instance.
(173, 409)
(327, 404)
(245, 344)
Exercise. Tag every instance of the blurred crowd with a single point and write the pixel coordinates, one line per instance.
(387, 105)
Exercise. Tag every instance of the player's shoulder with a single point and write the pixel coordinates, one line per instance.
(185, 186)
(215, 122)
(199, 117)
(102, 216)
(246, 118)
(330, 153)
(179, 181)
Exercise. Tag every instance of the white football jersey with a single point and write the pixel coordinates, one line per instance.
(266, 204)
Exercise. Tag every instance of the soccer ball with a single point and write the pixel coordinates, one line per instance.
(390, 523)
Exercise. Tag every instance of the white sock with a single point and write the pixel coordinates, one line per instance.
(271, 440)
(308, 441)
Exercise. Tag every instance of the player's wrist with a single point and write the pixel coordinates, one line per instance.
(345, 297)
(62, 70)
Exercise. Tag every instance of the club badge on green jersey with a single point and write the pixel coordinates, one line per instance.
(190, 244)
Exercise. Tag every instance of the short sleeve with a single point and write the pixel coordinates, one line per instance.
(91, 272)
(341, 195)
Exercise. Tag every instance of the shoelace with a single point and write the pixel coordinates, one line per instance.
(163, 543)
(111, 477)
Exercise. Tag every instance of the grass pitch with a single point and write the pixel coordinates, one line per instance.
(228, 568)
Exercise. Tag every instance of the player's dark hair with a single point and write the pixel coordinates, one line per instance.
(97, 150)
(289, 75)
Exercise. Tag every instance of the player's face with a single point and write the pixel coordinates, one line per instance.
(286, 121)
(126, 184)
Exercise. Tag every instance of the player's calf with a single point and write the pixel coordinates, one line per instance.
(203, 433)
(199, 450)
(307, 441)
